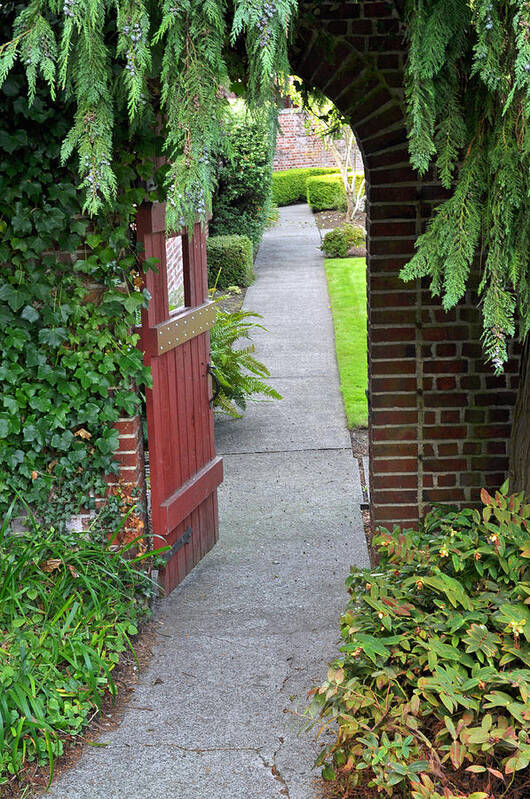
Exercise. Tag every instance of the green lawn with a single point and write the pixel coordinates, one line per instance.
(347, 292)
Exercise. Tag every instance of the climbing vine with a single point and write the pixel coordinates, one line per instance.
(69, 296)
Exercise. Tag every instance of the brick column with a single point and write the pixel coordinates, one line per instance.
(439, 419)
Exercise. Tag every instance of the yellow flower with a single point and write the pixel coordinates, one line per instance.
(419, 584)
(443, 552)
(516, 626)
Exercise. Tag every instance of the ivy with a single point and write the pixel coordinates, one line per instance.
(69, 296)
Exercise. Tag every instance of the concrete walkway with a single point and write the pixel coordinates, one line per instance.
(249, 631)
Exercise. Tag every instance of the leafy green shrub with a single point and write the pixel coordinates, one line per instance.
(338, 242)
(68, 363)
(68, 607)
(434, 681)
(273, 214)
(289, 186)
(239, 374)
(241, 203)
(326, 191)
(230, 261)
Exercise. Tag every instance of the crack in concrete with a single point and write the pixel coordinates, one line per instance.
(277, 773)
(196, 750)
(272, 767)
(286, 451)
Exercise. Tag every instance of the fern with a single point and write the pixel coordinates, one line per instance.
(240, 374)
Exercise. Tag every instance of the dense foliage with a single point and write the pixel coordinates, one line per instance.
(433, 685)
(289, 186)
(230, 261)
(239, 375)
(68, 608)
(327, 191)
(468, 98)
(338, 242)
(151, 60)
(243, 195)
(68, 299)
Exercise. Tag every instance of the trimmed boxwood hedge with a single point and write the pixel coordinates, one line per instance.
(338, 242)
(230, 261)
(289, 186)
(327, 191)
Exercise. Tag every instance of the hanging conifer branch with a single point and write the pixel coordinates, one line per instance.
(468, 98)
(165, 59)
(467, 93)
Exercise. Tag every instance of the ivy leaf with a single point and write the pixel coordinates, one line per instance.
(53, 336)
(30, 432)
(14, 297)
(29, 313)
(93, 239)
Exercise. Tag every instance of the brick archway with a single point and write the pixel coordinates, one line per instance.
(438, 418)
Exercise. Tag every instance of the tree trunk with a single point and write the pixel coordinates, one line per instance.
(519, 450)
(350, 207)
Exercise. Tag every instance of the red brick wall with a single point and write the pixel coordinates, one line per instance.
(298, 146)
(130, 482)
(439, 419)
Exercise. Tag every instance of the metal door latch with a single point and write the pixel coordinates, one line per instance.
(211, 371)
(179, 543)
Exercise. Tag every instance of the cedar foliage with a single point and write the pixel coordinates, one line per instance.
(167, 59)
(468, 100)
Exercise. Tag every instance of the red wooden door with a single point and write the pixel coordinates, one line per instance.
(184, 469)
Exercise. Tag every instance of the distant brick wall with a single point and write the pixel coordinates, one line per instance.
(296, 146)
(439, 419)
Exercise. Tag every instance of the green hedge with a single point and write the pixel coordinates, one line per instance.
(230, 261)
(327, 191)
(338, 242)
(289, 186)
(242, 199)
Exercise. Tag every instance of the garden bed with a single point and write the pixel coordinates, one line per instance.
(70, 610)
(429, 698)
(33, 779)
(327, 220)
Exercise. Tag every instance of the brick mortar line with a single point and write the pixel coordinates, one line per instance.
(419, 363)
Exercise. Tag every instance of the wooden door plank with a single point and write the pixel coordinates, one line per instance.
(180, 505)
(184, 470)
(187, 390)
(195, 385)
